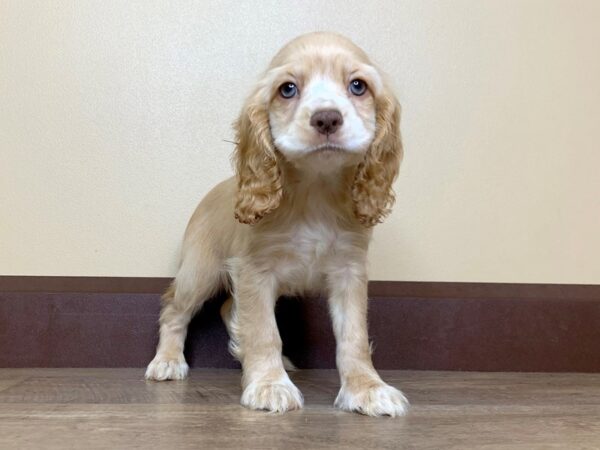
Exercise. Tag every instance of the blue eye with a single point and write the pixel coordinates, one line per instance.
(358, 87)
(288, 90)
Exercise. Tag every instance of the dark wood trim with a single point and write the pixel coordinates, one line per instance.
(157, 285)
(482, 290)
(117, 285)
(112, 322)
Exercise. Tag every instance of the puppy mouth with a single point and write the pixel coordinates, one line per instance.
(328, 147)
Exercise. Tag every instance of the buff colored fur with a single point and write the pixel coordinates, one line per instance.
(303, 225)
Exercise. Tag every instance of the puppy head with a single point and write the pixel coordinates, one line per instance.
(320, 106)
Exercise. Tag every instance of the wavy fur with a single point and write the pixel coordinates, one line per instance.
(295, 219)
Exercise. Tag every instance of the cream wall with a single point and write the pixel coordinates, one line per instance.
(113, 117)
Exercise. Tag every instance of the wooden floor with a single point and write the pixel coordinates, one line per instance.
(117, 409)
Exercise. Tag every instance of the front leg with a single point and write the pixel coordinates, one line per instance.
(265, 383)
(362, 389)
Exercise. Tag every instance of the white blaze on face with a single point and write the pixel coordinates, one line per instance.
(295, 137)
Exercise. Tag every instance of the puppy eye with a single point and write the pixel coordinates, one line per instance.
(358, 87)
(288, 90)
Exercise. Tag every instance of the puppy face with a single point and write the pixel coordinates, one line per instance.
(320, 95)
(321, 105)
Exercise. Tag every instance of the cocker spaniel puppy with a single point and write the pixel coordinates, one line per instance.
(318, 147)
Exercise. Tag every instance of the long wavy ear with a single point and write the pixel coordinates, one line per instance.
(372, 191)
(256, 163)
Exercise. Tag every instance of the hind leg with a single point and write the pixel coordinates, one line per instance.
(227, 314)
(186, 295)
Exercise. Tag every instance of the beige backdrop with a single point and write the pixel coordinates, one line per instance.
(113, 116)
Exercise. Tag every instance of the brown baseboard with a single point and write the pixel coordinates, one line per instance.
(112, 322)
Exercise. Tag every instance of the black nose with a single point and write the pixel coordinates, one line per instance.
(327, 121)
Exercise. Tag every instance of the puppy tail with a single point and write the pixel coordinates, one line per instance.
(169, 294)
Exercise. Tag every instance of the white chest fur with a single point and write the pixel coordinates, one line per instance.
(307, 239)
(302, 257)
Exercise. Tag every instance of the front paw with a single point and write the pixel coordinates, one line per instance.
(279, 396)
(164, 368)
(373, 399)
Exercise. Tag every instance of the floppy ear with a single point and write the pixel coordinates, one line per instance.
(256, 163)
(372, 192)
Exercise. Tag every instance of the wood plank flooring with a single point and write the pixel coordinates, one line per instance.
(117, 409)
